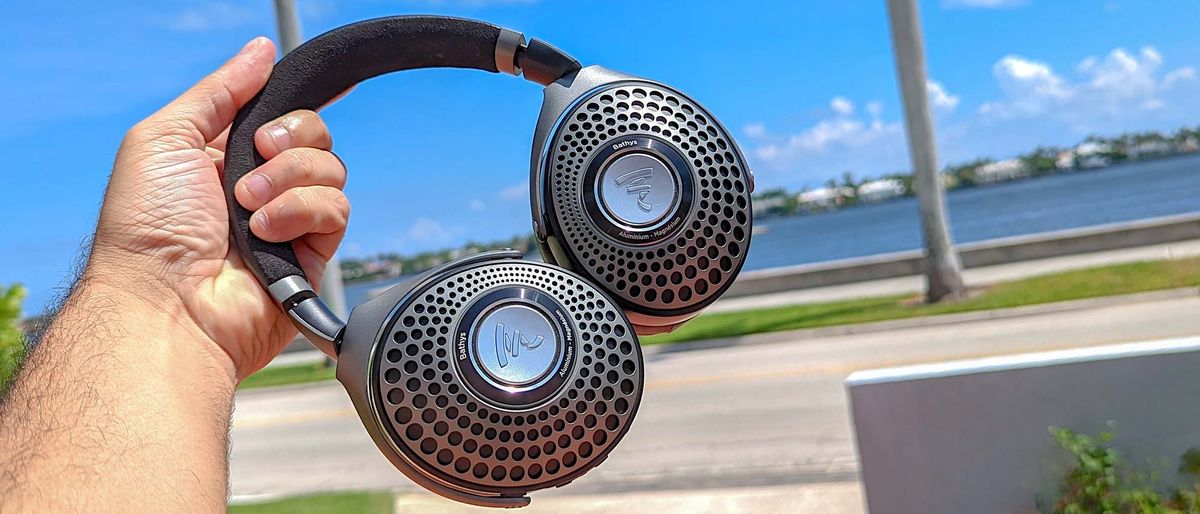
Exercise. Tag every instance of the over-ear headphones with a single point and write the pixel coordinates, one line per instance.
(491, 376)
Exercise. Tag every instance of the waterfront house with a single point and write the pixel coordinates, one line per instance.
(1190, 144)
(1065, 160)
(1093, 161)
(1001, 171)
(768, 206)
(879, 190)
(1152, 148)
(825, 197)
(1092, 155)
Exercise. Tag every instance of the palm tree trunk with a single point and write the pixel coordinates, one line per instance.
(943, 270)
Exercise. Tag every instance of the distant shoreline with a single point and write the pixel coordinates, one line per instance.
(968, 187)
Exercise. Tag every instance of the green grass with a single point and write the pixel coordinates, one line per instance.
(285, 375)
(359, 502)
(1071, 285)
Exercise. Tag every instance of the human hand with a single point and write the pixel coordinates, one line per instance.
(163, 234)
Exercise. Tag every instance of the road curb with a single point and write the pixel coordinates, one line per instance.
(921, 321)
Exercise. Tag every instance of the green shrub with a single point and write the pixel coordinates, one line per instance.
(1097, 483)
(12, 346)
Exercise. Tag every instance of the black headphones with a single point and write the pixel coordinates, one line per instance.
(492, 376)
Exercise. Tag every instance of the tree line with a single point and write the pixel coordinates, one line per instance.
(393, 264)
(1041, 161)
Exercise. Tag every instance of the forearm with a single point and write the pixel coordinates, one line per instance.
(121, 407)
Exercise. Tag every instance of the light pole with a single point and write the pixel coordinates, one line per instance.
(943, 270)
(289, 25)
(290, 37)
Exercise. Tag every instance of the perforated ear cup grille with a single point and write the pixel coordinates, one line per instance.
(689, 266)
(442, 424)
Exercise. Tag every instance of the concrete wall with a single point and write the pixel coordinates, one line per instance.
(972, 436)
(984, 253)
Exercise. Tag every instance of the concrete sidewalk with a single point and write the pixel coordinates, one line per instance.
(826, 498)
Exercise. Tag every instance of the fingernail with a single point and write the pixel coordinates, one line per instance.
(259, 187)
(280, 135)
(263, 222)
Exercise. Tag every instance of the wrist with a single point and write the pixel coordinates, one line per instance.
(140, 314)
(122, 401)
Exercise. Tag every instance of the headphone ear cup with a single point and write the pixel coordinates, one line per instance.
(648, 196)
(504, 377)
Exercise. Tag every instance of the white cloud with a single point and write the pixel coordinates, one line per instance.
(875, 108)
(477, 205)
(827, 147)
(939, 97)
(1112, 93)
(518, 191)
(1108, 94)
(1018, 76)
(209, 17)
(1123, 74)
(1029, 86)
(842, 106)
(1179, 76)
(983, 4)
(426, 231)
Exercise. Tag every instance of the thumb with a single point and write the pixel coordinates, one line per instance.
(205, 110)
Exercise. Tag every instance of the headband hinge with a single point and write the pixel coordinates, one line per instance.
(507, 46)
(537, 60)
(312, 315)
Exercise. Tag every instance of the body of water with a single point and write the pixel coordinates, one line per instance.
(1070, 200)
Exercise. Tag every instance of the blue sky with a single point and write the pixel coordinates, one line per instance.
(437, 158)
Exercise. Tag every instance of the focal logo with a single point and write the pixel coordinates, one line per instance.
(636, 190)
(638, 183)
(511, 346)
(516, 347)
(515, 344)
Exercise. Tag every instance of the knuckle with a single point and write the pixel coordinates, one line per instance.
(307, 116)
(341, 205)
(336, 170)
(316, 127)
(302, 163)
(304, 198)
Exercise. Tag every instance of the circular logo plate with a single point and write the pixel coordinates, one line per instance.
(638, 189)
(641, 189)
(515, 345)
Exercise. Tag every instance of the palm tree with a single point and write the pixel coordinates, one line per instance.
(943, 270)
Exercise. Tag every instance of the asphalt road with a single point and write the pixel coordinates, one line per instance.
(764, 417)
